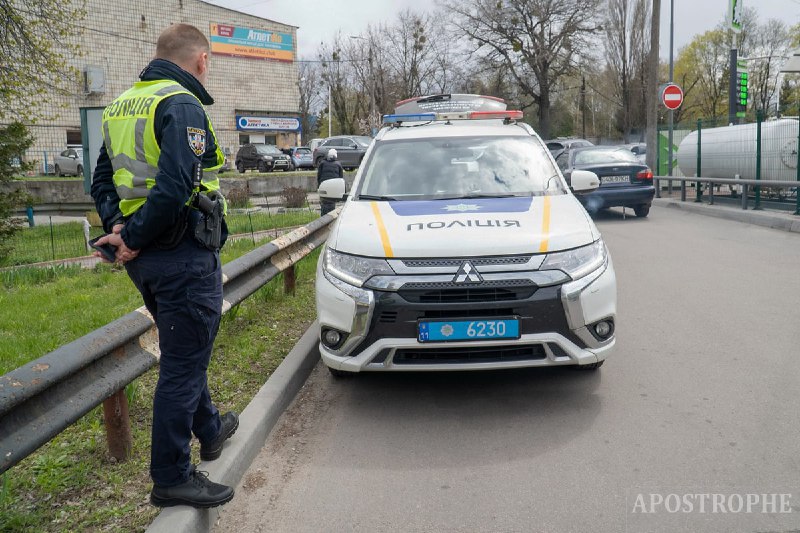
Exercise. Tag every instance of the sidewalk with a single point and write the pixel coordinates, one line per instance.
(770, 218)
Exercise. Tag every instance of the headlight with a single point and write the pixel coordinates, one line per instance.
(578, 262)
(353, 269)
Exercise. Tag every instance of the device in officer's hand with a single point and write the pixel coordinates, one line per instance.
(108, 251)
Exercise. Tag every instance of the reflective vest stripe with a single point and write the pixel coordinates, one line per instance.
(141, 124)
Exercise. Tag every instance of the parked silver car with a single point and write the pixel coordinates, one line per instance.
(69, 162)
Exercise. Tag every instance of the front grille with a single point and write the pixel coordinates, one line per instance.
(388, 317)
(482, 354)
(478, 261)
(465, 313)
(449, 292)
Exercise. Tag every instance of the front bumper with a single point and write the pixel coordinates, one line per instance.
(381, 327)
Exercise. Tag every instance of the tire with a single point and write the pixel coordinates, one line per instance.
(57, 171)
(590, 366)
(240, 167)
(317, 162)
(340, 374)
(262, 167)
(80, 171)
(641, 210)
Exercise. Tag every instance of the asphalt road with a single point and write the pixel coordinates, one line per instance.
(700, 398)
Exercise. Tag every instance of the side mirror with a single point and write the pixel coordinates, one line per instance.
(332, 189)
(584, 181)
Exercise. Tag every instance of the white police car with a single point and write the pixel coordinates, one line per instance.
(460, 246)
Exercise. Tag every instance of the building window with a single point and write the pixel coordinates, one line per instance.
(243, 139)
(74, 138)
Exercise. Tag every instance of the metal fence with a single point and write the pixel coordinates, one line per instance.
(48, 240)
(45, 396)
(765, 151)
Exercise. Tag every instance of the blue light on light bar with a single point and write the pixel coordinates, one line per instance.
(414, 117)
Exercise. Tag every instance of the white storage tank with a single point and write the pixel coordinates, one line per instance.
(731, 150)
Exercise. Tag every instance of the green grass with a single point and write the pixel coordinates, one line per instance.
(72, 484)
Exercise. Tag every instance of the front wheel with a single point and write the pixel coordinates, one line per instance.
(262, 167)
(57, 171)
(240, 167)
(80, 170)
(642, 210)
(317, 162)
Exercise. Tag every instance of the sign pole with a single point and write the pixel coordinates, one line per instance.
(734, 18)
(671, 79)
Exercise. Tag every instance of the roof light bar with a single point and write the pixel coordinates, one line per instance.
(413, 117)
(511, 115)
(467, 115)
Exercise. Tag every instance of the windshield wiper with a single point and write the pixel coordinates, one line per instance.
(378, 198)
(472, 196)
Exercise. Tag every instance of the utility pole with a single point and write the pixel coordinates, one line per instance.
(651, 98)
(583, 106)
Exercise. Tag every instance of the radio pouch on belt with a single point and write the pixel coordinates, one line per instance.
(208, 231)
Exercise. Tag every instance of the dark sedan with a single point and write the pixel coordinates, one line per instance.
(624, 181)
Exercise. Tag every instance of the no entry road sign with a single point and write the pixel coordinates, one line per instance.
(672, 96)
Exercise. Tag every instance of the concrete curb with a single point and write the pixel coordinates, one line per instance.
(769, 219)
(255, 423)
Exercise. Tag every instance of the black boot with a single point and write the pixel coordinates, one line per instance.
(212, 450)
(197, 491)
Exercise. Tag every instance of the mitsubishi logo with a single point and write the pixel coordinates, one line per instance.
(467, 274)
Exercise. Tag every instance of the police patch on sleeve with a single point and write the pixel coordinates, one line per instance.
(197, 140)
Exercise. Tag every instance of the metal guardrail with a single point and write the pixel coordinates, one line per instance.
(42, 398)
(744, 183)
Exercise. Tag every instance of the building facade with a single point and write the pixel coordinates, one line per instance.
(253, 76)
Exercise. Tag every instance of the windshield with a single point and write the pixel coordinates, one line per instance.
(267, 149)
(458, 168)
(604, 155)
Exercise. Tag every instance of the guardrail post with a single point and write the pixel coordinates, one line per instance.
(797, 189)
(289, 280)
(657, 171)
(697, 184)
(118, 426)
(759, 117)
(744, 196)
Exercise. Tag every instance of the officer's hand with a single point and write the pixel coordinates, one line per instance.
(123, 254)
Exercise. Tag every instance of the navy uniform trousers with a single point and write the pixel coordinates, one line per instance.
(182, 289)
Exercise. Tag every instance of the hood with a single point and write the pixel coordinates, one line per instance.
(464, 227)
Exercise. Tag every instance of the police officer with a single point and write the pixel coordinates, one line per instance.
(329, 168)
(157, 137)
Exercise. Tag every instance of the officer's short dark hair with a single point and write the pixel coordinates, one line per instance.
(180, 42)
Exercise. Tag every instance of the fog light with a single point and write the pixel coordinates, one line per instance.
(603, 328)
(331, 338)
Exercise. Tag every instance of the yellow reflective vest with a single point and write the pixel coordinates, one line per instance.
(130, 140)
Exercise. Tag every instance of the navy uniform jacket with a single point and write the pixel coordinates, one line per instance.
(173, 186)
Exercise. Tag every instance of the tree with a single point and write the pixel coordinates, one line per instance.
(308, 80)
(31, 34)
(627, 47)
(537, 41)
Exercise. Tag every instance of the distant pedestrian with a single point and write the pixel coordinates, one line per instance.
(328, 169)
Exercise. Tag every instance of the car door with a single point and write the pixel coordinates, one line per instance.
(348, 155)
(70, 162)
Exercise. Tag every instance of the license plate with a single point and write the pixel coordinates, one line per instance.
(616, 179)
(467, 330)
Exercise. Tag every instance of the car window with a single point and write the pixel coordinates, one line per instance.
(363, 140)
(460, 167)
(604, 155)
(553, 147)
(332, 142)
(301, 151)
(65, 153)
(563, 160)
(268, 149)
